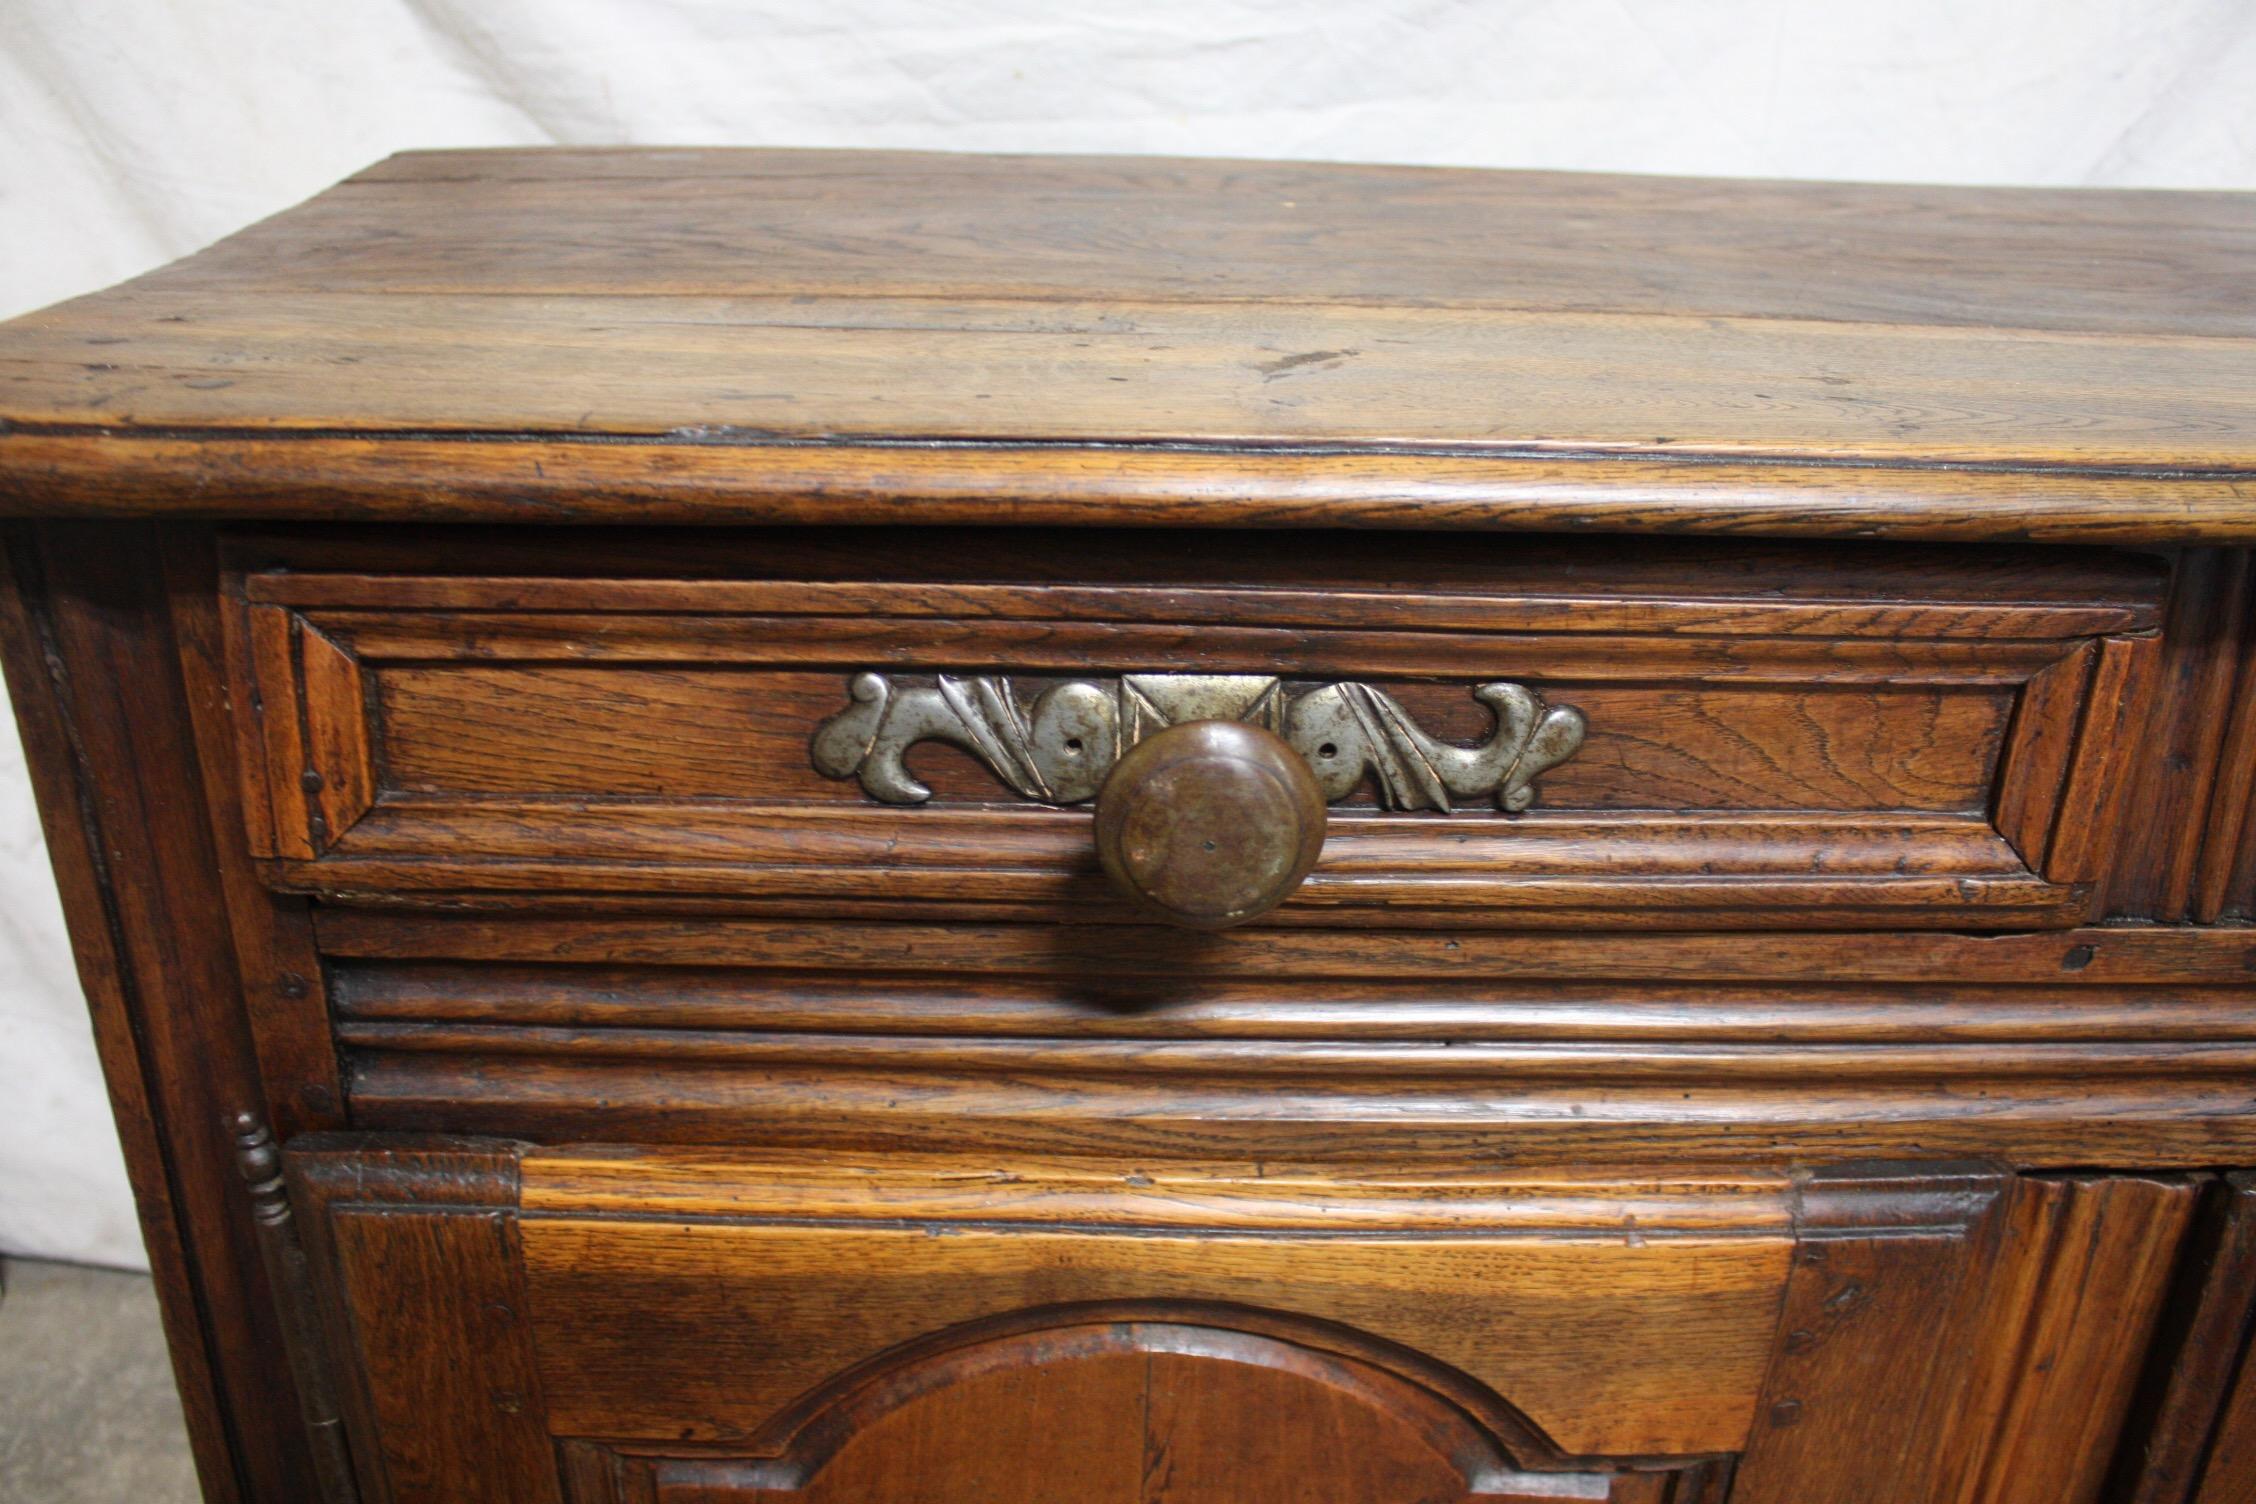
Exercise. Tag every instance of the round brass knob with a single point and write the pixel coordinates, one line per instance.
(1210, 823)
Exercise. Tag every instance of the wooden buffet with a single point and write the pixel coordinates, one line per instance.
(873, 828)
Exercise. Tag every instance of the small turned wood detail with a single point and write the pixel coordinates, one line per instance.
(1210, 824)
(290, 1277)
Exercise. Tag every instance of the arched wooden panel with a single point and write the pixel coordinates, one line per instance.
(1127, 1412)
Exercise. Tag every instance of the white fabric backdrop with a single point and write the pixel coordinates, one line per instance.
(132, 131)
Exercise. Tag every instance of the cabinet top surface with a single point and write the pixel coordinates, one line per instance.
(1114, 322)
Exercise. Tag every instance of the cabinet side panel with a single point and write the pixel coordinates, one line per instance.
(94, 675)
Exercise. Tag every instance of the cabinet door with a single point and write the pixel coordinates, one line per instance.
(617, 1327)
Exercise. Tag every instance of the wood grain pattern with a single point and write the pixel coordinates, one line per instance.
(702, 480)
(2163, 956)
(2160, 1106)
(2047, 1049)
(339, 776)
(2187, 785)
(1967, 584)
(1595, 1152)
(284, 983)
(2225, 881)
(2231, 1478)
(1097, 1004)
(1873, 1341)
(2083, 1272)
(694, 1184)
(2098, 794)
(1737, 598)
(1055, 372)
(1697, 874)
(289, 1273)
(95, 679)
(643, 731)
(741, 735)
(1082, 304)
(1447, 1067)
(273, 769)
(2076, 260)
(2192, 1432)
(417, 1248)
(1489, 1299)
(1140, 1412)
(1824, 1322)
(1701, 1260)
(2198, 861)
(2042, 739)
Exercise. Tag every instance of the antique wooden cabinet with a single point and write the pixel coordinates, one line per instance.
(890, 829)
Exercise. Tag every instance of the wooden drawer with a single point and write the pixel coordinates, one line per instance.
(614, 1325)
(1772, 735)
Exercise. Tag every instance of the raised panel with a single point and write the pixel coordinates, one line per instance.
(1126, 1412)
(616, 1326)
(708, 1327)
(1499, 1279)
(678, 731)
(1874, 1349)
(1812, 738)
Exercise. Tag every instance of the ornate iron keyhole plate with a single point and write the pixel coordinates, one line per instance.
(1057, 747)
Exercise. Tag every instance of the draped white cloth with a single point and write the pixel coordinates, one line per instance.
(132, 131)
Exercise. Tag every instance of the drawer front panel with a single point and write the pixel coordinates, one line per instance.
(1787, 737)
(741, 733)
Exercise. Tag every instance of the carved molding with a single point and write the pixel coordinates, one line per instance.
(1057, 747)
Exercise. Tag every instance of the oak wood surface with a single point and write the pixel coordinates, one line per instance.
(2231, 1474)
(427, 1316)
(283, 978)
(1514, 1157)
(2128, 1045)
(522, 724)
(2192, 1434)
(1875, 1349)
(766, 324)
(94, 676)
(954, 222)
(1145, 1412)
(2082, 1276)
(617, 1304)
(1864, 1294)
